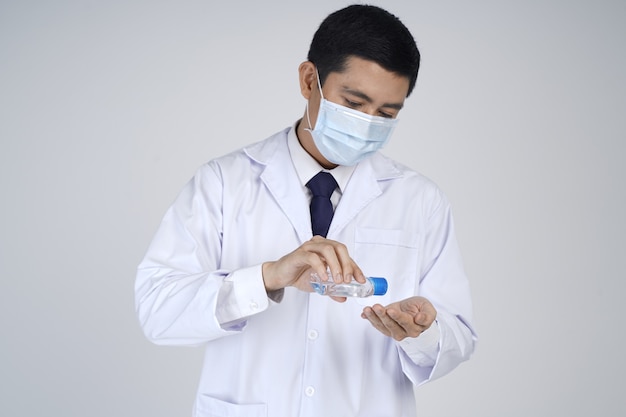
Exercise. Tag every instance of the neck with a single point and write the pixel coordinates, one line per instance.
(307, 143)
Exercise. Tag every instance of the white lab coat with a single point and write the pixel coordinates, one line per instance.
(305, 355)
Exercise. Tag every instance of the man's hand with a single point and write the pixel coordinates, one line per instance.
(406, 318)
(295, 268)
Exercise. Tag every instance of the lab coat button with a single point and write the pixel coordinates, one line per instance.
(253, 305)
(313, 334)
(309, 391)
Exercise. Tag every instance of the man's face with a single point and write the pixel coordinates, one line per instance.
(363, 85)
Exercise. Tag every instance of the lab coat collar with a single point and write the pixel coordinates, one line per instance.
(281, 179)
(275, 150)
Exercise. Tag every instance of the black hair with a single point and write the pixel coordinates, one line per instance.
(367, 32)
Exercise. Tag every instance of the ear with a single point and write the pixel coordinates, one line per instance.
(308, 78)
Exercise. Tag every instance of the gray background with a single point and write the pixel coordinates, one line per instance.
(107, 109)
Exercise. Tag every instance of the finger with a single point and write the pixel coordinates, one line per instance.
(421, 309)
(369, 314)
(407, 322)
(358, 274)
(349, 269)
(315, 263)
(320, 247)
(335, 255)
(397, 331)
(424, 320)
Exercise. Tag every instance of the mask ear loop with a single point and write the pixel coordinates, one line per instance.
(319, 85)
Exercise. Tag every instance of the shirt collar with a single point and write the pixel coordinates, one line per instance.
(307, 167)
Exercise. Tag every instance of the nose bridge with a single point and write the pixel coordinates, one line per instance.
(371, 109)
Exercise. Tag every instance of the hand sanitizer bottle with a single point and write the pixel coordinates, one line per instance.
(372, 286)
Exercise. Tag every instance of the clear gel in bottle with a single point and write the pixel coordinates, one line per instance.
(372, 286)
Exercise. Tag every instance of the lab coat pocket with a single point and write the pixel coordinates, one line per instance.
(391, 254)
(212, 407)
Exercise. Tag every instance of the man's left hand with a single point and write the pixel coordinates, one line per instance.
(402, 319)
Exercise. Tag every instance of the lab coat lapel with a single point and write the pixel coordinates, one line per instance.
(281, 179)
(362, 188)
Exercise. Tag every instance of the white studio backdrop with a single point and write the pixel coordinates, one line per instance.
(108, 108)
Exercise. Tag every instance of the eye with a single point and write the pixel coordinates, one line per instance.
(352, 104)
(386, 115)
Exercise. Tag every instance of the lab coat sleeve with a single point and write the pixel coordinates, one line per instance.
(444, 284)
(179, 287)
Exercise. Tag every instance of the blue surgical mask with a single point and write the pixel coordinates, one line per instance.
(345, 136)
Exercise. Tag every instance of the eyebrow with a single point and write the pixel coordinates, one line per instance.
(361, 95)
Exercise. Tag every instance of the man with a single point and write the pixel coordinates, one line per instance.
(230, 265)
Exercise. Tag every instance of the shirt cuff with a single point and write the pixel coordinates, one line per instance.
(242, 295)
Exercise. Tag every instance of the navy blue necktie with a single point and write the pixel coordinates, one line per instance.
(322, 186)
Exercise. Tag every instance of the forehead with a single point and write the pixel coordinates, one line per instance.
(369, 78)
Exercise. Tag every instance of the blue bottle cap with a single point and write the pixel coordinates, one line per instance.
(380, 285)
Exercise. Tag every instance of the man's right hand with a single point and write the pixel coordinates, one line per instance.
(315, 255)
